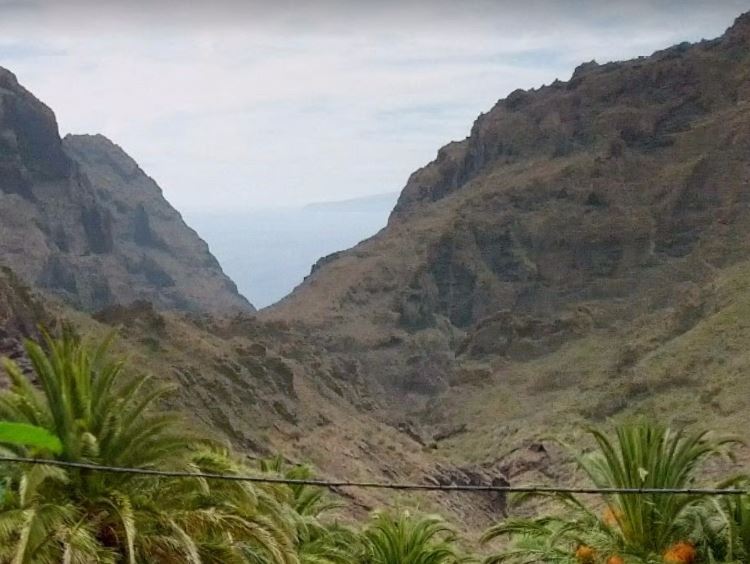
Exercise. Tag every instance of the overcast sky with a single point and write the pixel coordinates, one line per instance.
(242, 105)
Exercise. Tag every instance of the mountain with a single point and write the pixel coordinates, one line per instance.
(80, 220)
(89, 242)
(562, 263)
(268, 252)
(582, 255)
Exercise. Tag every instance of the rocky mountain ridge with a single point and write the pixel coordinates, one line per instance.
(80, 220)
(575, 206)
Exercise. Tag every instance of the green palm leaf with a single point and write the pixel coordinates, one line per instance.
(640, 527)
(28, 435)
(91, 408)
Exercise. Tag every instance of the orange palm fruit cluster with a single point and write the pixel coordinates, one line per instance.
(610, 516)
(585, 554)
(616, 559)
(680, 553)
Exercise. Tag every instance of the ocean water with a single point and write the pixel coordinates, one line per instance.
(269, 252)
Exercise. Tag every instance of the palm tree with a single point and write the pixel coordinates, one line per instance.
(737, 511)
(726, 524)
(553, 539)
(319, 540)
(104, 415)
(647, 455)
(644, 526)
(218, 521)
(406, 538)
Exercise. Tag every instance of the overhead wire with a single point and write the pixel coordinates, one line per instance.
(333, 484)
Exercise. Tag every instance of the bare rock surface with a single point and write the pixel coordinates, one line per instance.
(80, 220)
(569, 210)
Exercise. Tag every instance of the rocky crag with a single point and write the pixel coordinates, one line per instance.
(80, 220)
(553, 266)
(567, 208)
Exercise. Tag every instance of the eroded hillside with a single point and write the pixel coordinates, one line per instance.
(560, 264)
(92, 243)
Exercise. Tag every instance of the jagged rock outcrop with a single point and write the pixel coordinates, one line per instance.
(494, 503)
(578, 205)
(80, 220)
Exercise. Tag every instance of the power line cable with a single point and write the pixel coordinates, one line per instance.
(331, 484)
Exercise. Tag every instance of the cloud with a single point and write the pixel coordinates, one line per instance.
(242, 104)
(23, 50)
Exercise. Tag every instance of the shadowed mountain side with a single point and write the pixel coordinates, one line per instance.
(80, 220)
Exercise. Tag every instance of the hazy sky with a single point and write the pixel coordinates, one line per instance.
(238, 105)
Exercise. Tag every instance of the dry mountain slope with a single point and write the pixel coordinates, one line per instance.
(261, 387)
(80, 220)
(571, 215)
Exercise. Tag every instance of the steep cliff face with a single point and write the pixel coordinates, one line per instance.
(570, 208)
(80, 220)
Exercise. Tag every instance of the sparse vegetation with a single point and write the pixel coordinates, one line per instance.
(84, 406)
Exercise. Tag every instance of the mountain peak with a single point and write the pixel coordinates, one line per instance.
(738, 34)
(82, 221)
(7, 78)
(567, 206)
(741, 26)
